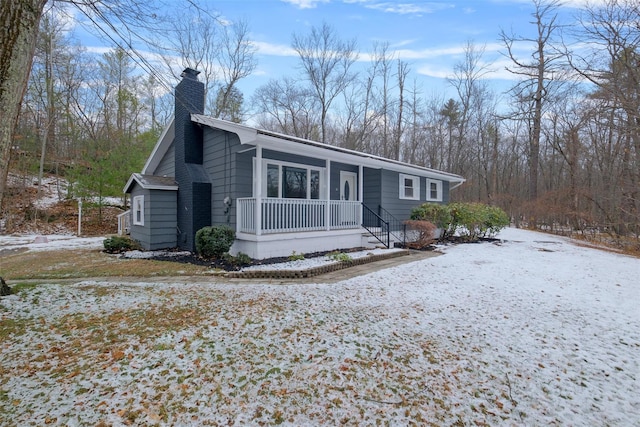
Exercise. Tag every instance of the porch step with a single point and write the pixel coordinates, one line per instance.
(370, 241)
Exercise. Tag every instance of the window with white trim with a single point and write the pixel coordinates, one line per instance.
(434, 190)
(291, 180)
(138, 210)
(409, 187)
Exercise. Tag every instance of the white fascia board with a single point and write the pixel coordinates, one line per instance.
(160, 149)
(127, 186)
(246, 134)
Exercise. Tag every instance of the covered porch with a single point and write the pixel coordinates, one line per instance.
(272, 227)
(259, 216)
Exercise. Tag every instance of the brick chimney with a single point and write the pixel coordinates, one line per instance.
(194, 185)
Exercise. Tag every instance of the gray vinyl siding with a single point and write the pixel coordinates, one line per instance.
(160, 226)
(372, 188)
(445, 192)
(230, 172)
(167, 166)
(390, 195)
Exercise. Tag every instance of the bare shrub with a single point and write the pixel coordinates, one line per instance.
(424, 231)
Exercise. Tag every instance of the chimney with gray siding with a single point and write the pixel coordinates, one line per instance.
(194, 185)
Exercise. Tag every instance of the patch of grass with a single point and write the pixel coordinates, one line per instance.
(63, 264)
(10, 327)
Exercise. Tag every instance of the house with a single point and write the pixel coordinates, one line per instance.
(279, 193)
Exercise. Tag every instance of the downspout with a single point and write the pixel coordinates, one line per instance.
(457, 185)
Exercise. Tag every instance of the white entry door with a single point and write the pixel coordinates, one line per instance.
(348, 186)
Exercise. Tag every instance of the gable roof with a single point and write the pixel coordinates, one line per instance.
(161, 147)
(151, 182)
(281, 142)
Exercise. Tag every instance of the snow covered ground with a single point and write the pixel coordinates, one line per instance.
(49, 242)
(530, 331)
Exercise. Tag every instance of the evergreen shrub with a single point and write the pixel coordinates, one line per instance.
(471, 221)
(119, 244)
(214, 241)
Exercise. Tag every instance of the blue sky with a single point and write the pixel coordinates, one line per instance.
(429, 35)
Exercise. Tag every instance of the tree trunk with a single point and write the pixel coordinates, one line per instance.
(20, 20)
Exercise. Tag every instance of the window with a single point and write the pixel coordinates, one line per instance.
(292, 181)
(409, 187)
(434, 190)
(138, 210)
(273, 180)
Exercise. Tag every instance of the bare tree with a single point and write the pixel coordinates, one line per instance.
(612, 64)
(286, 107)
(237, 61)
(537, 76)
(326, 61)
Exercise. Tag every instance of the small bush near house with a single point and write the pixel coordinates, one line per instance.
(340, 257)
(239, 260)
(495, 220)
(215, 241)
(296, 257)
(436, 214)
(425, 233)
(471, 221)
(119, 244)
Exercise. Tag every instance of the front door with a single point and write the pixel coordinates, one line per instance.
(348, 186)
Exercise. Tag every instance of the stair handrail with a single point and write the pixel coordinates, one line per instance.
(383, 235)
(398, 225)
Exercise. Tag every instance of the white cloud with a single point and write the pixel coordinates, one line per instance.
(402, 8)
(306, 4)
(270, 49)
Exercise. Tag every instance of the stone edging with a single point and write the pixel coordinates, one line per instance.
(313, 271)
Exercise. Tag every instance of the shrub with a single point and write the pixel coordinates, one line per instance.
(119, 244)
(495, 220)
(436, 214)
(470, 220)
(340, 257)
(214, 241)
(296, 257)
(425, 233)
(241, 259)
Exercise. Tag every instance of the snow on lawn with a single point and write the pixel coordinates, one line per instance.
(49, 242)
(531, 331)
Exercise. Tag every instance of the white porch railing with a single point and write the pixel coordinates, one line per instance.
(295, 215)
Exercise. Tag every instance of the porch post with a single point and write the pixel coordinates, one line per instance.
(257, 179)
(360, 192)
(327, 211)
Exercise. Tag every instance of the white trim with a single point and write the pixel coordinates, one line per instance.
(438, 197)
(280, 164)
(278, 245)
(137, 210)
(162, 146)
(402, 187)
(354, 190)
